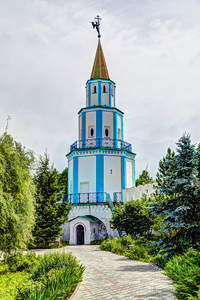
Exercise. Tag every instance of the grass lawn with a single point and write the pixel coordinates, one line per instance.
(9, 281)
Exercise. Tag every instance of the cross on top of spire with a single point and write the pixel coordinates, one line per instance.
(97, 25)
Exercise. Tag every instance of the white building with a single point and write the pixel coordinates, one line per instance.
(100, 163)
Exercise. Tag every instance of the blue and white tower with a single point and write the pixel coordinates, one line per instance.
(100, 163)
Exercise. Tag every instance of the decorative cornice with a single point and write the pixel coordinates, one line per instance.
(102, 80)
(99, 106)
(107, 152)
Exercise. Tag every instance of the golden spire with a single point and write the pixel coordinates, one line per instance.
(99, 70)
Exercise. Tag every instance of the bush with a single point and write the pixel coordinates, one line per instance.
(20, 261)
(160, 260)
(59, 286)
(185, 271)
(53, 261)
(53, 276)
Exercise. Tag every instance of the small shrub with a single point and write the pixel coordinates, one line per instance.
(97, 242)
(60, 285)
(137, 252)
(53, 261)
(126, 240)
(20, 261)
(160, 260)
(107, 244)
(185, 271)
(26, 288)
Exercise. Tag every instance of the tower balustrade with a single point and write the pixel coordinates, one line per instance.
(101, 143)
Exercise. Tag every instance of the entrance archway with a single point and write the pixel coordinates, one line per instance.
(80, 235)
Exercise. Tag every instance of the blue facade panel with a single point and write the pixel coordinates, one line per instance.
(99, 124)
(89, 94)
(123, 172)
(115, 129)
(83, 126)
(99, 92)
(100, 173)
(110, 104)
(75, 175)
(122, 128)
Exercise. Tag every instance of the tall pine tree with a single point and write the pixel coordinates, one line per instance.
(49, 215)
(182, 206)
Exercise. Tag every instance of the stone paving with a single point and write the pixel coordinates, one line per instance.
(110, 276)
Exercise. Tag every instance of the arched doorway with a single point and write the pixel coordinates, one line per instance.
(80, 235)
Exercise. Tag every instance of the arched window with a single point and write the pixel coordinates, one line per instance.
(104, 89)
(106, 132)
(95, 89)
(92, 132)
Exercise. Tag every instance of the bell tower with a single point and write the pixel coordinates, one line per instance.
(101, 163)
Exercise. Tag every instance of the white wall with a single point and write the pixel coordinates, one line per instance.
(87, 172)
(135, 193)
(107, 121)
(119, 126)
(102, 212)
(73, 234)
(112, 182)
(93, 97)
(80, 127)
(105, 96)
(90, 121)
(70, 176)
(129, 173)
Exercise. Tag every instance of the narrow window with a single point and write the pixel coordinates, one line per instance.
(106, 132)
(110, 171)
(92, 131)
(93, 230)
(104, 89)
(119, 134)
(95, 89)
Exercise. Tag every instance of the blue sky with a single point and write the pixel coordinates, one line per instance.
(152, 50)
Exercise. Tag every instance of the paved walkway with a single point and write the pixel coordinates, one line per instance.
(111, 276)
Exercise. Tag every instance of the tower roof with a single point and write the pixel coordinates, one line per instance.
(99, 70)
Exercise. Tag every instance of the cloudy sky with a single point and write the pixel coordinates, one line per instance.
(152, 50)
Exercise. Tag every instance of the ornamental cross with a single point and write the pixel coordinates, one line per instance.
(97, 25)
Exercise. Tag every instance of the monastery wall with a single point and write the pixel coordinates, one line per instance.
(135, 193)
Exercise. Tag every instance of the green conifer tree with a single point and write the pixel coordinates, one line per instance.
(49, 214)
(182, 208)
(144, 178)
(163, 170)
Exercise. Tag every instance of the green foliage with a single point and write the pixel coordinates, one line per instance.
(138, 249)
(20, 262)
(97, 242)
(63, 181)
(185, 271)
(17, 194)
(49, 215)
(53, 277)
(51, 261)
(133, 217)
(59, 286)
(144, 178)
(9, 282)
(160, 260)
(181, 208)
(164, 171)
